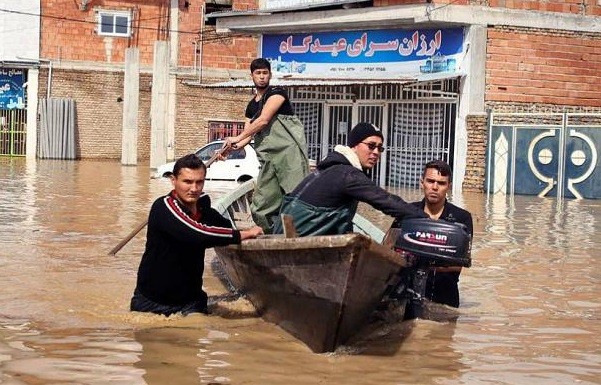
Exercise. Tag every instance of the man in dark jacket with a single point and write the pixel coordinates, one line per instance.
(436, 181)
(325, 201)
(181, 225)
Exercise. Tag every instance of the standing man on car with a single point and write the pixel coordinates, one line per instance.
(279, 142)
(442, 284)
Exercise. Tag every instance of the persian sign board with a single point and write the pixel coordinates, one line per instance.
(12, 88)
(390, 53)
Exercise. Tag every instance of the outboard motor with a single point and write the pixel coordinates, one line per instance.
(433, 242)
(427, 243)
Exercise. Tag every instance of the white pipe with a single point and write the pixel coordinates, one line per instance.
(195, 49)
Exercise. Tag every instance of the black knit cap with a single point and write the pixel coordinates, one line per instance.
(362, 131)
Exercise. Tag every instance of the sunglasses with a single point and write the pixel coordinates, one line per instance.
(373, 146)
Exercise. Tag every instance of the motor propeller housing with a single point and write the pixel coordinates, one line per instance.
(435, 242)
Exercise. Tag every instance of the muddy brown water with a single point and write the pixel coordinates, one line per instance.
(530, 313)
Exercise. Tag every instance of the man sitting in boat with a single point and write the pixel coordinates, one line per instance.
(326, 200)
(441, 286)
(181, 225)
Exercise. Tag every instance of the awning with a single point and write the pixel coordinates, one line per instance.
(296, 81)
(19, 64)
(283, 6)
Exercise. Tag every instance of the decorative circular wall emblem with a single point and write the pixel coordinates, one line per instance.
(545, 156)
(578, 157)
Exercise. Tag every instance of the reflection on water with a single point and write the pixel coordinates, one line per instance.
(530, 303)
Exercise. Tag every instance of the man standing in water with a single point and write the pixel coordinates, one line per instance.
(435, 182)
(279, 141)
(181, 225)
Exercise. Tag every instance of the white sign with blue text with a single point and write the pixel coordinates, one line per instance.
(12, 88)
(386, 53)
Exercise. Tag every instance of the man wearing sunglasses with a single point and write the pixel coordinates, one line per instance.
(326, 200)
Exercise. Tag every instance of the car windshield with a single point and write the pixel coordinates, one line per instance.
(209, 150)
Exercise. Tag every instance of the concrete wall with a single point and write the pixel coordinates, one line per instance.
(20, 30)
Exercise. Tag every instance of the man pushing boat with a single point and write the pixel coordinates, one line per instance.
(181, 225)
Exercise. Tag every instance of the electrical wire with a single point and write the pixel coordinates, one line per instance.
(62, 18)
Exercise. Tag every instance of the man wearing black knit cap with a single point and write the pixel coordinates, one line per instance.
(325, 201)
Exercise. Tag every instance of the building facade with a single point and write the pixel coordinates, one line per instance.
(518, 57)
(513, 56)
(19, 63)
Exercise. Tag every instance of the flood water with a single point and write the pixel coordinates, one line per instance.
(530, 312)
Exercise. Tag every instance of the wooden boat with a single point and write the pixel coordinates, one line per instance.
(320, 289)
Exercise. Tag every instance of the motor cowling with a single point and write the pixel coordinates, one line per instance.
(435, 242)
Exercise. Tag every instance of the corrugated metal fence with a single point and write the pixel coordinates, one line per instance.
(57, 135)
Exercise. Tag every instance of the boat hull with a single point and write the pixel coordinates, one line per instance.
(320, 289)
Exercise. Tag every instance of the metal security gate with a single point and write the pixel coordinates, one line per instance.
(13, 129)
(420, 132)
(311, 114)
(544, 154)
(418, 123)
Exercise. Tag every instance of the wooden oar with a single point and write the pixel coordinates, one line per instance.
(143, 224)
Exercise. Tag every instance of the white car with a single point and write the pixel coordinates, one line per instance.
(241, 165)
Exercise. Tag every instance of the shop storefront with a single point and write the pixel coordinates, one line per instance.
(405, 81)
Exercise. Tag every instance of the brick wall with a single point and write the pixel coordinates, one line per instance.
(99, 113)
(548, 67)
(69, 34)
(514, 107)
(231, 51)
(245, 5)
(196, 106)
(580, 7)
(476, 153)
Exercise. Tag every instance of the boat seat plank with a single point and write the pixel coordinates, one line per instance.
(288, 225)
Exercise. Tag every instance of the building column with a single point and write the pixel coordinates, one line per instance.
(472, 91)
(158, 104)
(131, 103)
(31, 141)
(173, 64)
